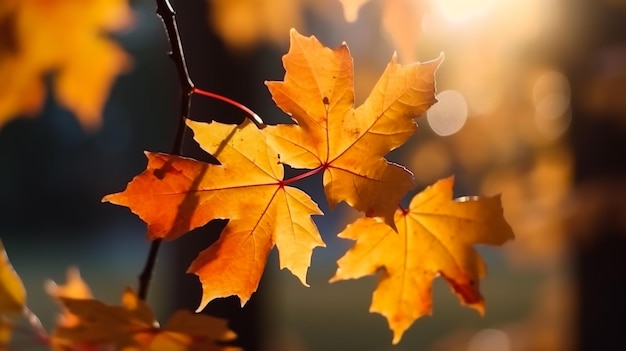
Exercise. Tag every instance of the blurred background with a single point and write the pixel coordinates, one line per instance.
(532, 104)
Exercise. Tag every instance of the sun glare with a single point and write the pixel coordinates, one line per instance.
(463, 9)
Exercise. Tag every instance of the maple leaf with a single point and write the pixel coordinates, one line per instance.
(74, 288)
(64, 37)
(101, 324)
(192, 332)
(242, 23)
(435, 237)
(176, 194)
(348, 143)
(12, 292)
(12, 297)
(132, 326)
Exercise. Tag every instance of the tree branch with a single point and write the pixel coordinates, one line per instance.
(166, 12)
(168, 16)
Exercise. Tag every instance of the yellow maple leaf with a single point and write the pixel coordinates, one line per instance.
(348, 143)
(12, 292)
(435, 237)
(132, 327)
(68, 38)
(12, 297)
(176, 194)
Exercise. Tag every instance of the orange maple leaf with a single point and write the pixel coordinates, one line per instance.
(186, 331)
(74, 288)
(132, 326)
(176, 194)
(435, 237)
(348, 143)
(65, 37)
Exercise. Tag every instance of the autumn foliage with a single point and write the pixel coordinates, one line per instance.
(177, 194)
(329, 135)
(68, 39)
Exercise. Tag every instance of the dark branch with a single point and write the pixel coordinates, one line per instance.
(146, 275)
(168, 16)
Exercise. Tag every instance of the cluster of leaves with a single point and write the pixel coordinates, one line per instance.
(88, 324)
(432, 237)
(411, 246)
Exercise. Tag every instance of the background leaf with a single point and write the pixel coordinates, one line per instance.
(435, 237)
(12, 292)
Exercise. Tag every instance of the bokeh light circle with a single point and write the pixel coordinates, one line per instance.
(449, 114)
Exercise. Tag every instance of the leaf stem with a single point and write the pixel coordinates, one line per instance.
(251, 114)
(306, 174)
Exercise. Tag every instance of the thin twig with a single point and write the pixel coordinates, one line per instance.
(146, 275)
(168, 17)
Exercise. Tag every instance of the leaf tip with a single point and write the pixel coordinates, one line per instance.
(398, 327)
(294, 34)
(203, 303)
(243, 300)
(190, 123)
(397, 336)
(335, 278)
(480, 308)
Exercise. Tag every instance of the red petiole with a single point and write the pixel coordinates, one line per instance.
(303, 175)
(253, 116)
(259, 122)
